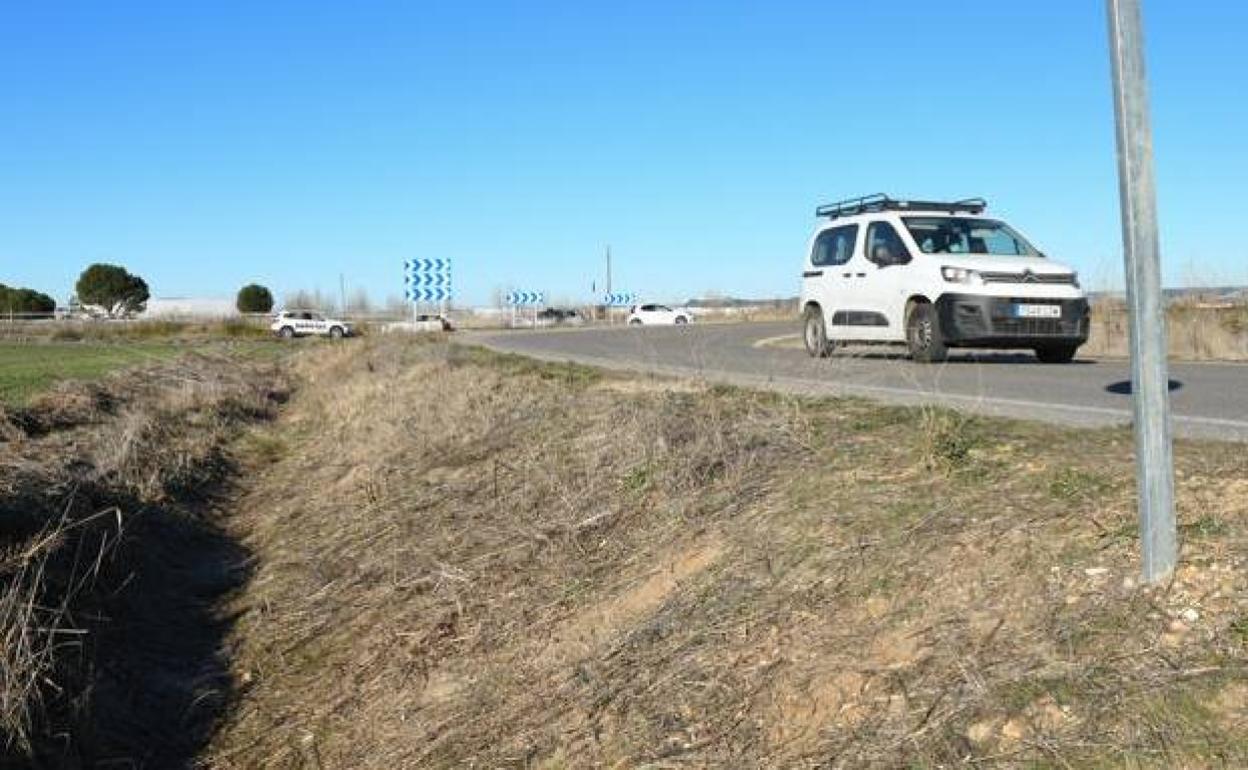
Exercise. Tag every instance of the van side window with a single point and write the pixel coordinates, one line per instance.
(834, 246)
(884, 245)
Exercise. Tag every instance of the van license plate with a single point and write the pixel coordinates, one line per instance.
(1037, 311)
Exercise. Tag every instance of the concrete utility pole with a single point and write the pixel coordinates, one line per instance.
(606, 309)
(1149, 379)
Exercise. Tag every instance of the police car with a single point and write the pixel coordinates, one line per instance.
(299, 323)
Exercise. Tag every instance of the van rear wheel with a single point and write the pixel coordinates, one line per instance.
(815, 333)
(923, 335)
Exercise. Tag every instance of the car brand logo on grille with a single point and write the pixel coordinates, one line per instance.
(1029, 277)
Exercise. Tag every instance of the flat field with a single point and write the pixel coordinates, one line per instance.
(29, 368)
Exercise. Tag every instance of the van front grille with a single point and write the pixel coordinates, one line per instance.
(1064, 279)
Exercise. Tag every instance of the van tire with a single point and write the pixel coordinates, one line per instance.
(335, 332)
(923, 335)
(1056, 354)
(815, 333)
(287, 332)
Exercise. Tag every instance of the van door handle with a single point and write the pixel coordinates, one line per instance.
(847, 275)
(862, 275)
(812, 273)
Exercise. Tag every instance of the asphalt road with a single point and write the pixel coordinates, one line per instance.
(1209, 400)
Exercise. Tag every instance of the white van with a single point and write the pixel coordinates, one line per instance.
(934, 276)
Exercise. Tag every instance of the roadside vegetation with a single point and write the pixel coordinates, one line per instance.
(439, 556)
(1196, 331)
(471, 559)
(112, 558)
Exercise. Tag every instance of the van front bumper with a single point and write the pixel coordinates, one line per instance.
(972, 320)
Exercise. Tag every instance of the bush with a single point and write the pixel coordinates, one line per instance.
(254, 298)
(112, 288)
(25, 301)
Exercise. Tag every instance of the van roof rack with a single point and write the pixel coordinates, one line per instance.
(881, 202)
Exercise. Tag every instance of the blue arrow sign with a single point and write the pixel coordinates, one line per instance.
(426, 265)
(619, 299)
(428, 293)
(525, 298)
(427, 279)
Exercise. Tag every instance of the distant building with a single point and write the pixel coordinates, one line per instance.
(189, 308)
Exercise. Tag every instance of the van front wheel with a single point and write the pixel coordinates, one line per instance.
(815, 333)
(923, 336)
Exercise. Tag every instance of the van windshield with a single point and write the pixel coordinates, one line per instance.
(965, 235)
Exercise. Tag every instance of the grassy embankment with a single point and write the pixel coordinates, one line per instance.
(469, 559)
(112, 558)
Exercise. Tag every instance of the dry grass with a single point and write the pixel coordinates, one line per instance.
(473, 560)
(1196, 332)
(107, 570)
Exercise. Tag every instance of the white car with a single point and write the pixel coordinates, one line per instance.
(659, 315)
(935, 276)
(421, 323)
(300, 323)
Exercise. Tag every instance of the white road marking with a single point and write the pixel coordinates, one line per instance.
(769, 341)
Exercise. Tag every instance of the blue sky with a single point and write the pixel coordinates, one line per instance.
(208, 145)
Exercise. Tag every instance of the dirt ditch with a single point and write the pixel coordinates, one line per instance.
(113, 562)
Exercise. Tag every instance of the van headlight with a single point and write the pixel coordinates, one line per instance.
(1074, 279)
(960, 275)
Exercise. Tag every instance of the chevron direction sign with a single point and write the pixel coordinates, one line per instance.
(430, 266)
(525, 298)
(427, 280)
(428, 293)
(619, 299)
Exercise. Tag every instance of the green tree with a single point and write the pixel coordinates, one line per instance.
(112, 288)
(25, 301)
(254, 298)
